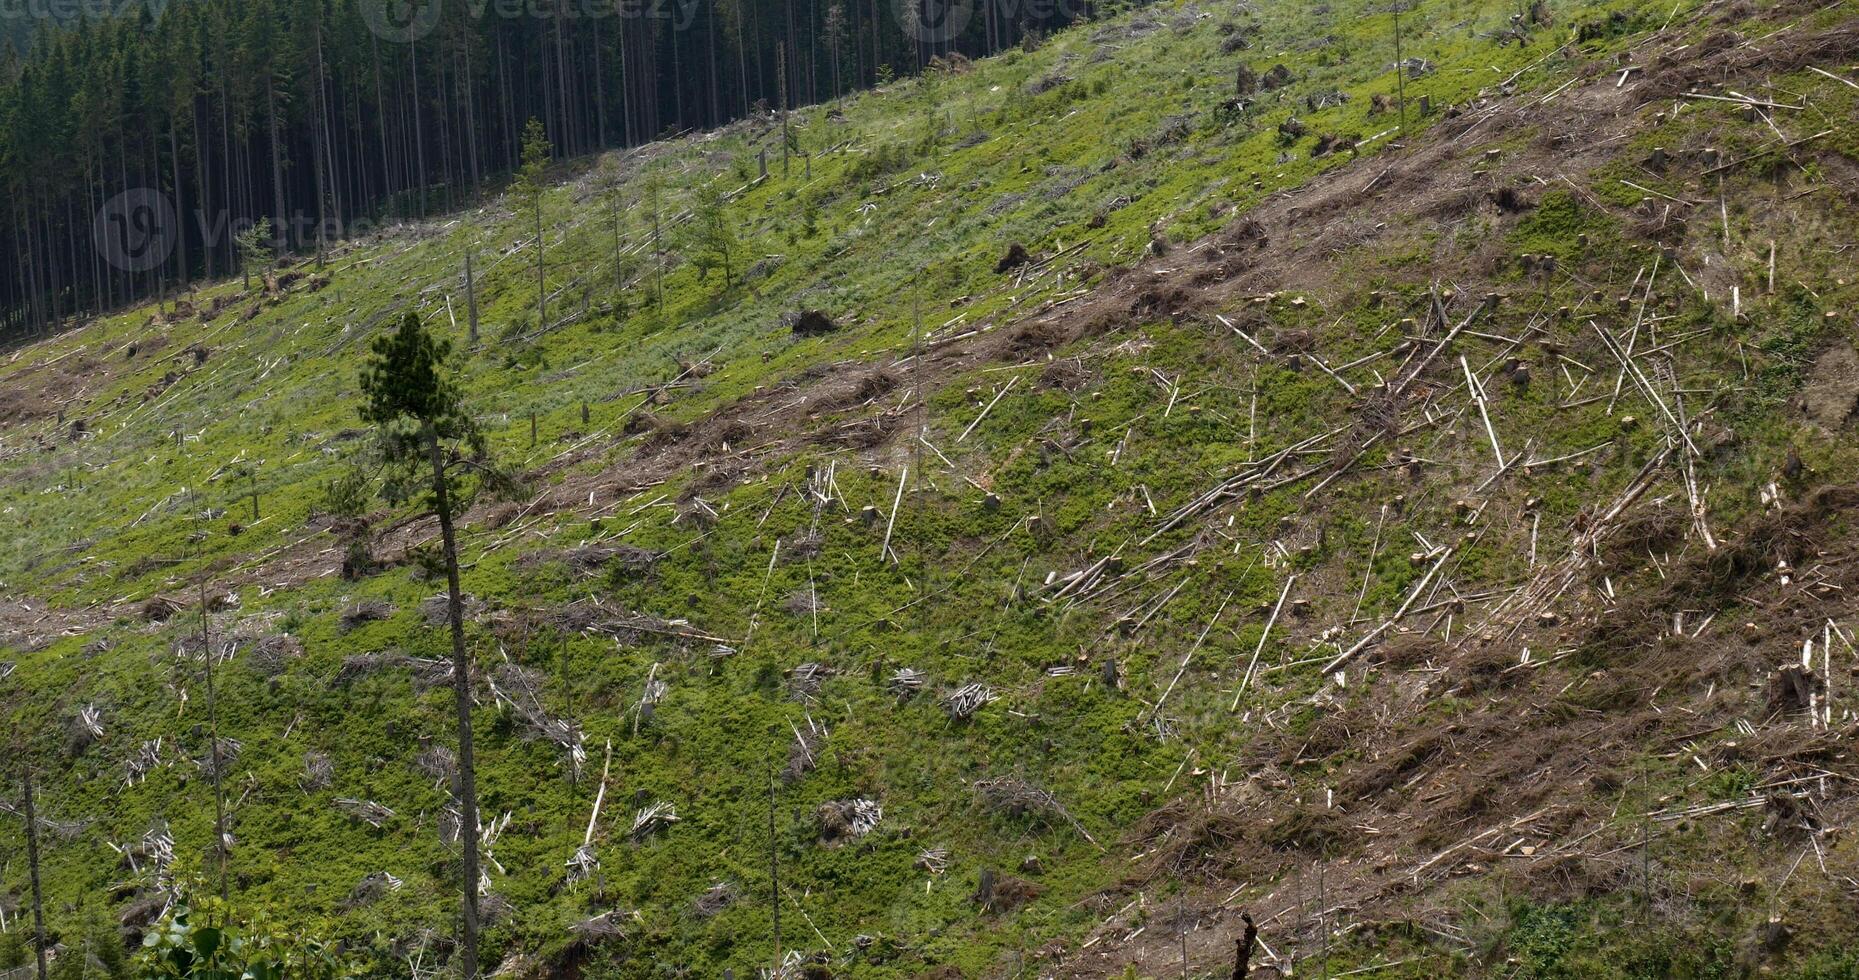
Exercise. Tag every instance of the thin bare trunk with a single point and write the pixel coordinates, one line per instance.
(461, 688)
(32, 862)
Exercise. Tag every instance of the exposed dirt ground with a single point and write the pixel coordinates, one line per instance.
(1529, 772)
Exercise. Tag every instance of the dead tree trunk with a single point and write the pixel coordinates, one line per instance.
(1242, 958)
(471, 298)
(32, 863)
(774, 873)
(461, 687)
(542, 284)
(219, 791)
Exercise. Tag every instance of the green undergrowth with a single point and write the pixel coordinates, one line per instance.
(1111, 135)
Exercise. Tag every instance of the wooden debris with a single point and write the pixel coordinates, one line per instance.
(934, 860)
(1253, 666)
(653, 819)
(1017, 797)
(842, 819)
(367, 811)
(906, 682)
(603, 926)
(585, 862)
(968, 699)
(518, 689)
(1399, 614)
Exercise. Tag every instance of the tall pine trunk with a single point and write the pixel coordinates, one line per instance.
(282, 235)
(461, 689)
(180, 198)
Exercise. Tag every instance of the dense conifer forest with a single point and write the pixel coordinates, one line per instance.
(327, 118)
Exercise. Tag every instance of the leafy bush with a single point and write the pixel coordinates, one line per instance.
(185, 947)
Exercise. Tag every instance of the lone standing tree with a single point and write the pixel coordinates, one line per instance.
(254, 247)
(430, 443)
(711, 241)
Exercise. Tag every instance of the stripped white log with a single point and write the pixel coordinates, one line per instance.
(984, 412)
(1157, 712)
(1399, 614)
(1242, 335)
(1252, 668)
(1484, 412)
(896, 502)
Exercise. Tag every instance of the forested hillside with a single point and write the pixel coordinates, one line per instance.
(1374, 480)
(325, 118)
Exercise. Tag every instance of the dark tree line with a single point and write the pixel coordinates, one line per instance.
(310, 115)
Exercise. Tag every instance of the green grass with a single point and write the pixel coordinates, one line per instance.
(914, 193)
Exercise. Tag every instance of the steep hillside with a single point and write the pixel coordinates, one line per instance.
(1088, 506)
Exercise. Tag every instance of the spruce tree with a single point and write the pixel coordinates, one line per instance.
(711, 240)
(254, 245)
(431, 443)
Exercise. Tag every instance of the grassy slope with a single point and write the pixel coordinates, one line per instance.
(975, 161)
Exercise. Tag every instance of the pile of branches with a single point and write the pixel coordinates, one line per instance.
(969, 699)
(363, 664)
(589, 560)
(159, 610)
(628, 627)
(517, 688)
(906, 682)
(153, 856)
(85, 730)
(372, 889)
(652, 819)
(804, 681)
(437, 610)
(934, 860)
(367, 811)
(583, 863)
(602, 926)
(272, 654)
(846, 819)
(144, 761)
(427, 673)
(650, 697)
(436, 762)
(155, 851)
(1015, 797)
(801, 758)
(715, 899)
(451, 823)
(229, 749)
(366, 611)
(318, 772)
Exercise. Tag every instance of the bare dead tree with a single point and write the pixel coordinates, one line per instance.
(32, 862)
(219, 792)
